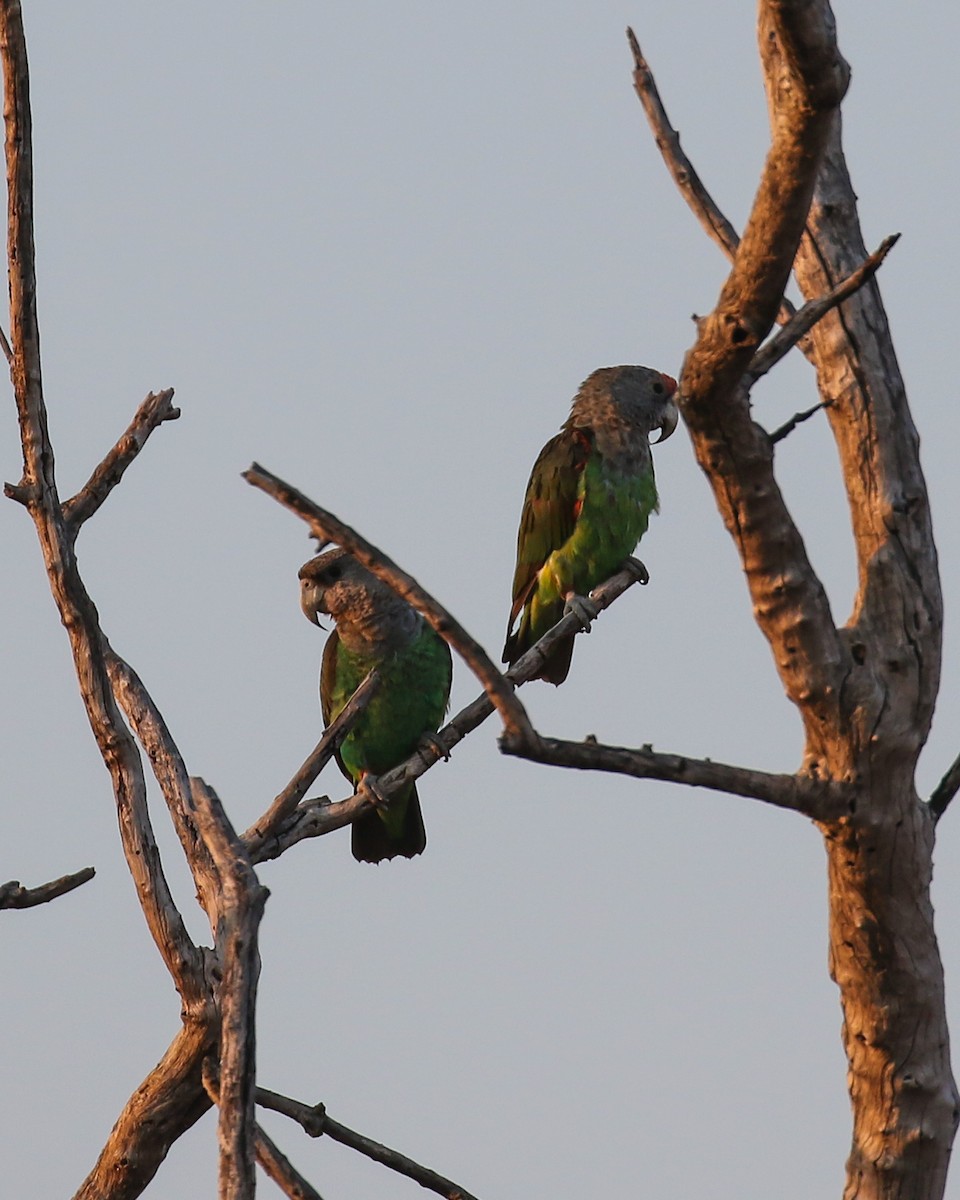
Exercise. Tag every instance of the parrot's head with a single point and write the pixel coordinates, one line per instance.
(628, 401)
(335, 583)
(646, 398)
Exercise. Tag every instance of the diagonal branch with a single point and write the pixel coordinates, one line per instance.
(166, 1104)
(154, 410)
(818, 800)
(681, 169)
(330, 528)
(800, 324)
(285, 804)
(284, 1174)
(798, 418)
(945, 790)
(315, 1122)
(14, 895)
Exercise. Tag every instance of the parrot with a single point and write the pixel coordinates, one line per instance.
(590, 496)
(376, 628)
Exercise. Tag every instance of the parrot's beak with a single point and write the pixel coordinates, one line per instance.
(671, 415)
(310, 600)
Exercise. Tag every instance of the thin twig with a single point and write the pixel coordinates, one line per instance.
(945, 790)
(286, 802)
(783, 341)
(281, 1170)
(14, 895)
(681, 169)
(5, 346)
(797, 419)
(153, 411)
(316, 817)
(314, 1120)
(330, 528)
(820, 801)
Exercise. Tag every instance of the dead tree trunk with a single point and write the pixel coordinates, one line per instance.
(865, 691)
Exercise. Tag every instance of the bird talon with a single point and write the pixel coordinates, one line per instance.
(435, 742)
(370, 787)
(636, 568)
(583, 608)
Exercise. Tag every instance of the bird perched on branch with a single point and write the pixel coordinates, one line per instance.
(590, 496)
(376, 628)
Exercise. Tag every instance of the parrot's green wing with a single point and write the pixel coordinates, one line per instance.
(550, 509)
(328, 688)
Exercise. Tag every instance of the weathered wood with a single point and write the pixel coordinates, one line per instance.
(883, 948)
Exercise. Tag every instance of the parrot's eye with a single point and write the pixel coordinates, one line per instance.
(658, 388)
(333, 572)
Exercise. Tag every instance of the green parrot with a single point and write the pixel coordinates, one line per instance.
(590, 496)
(376, 628)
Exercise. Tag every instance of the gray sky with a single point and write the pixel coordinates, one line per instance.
(377, 247)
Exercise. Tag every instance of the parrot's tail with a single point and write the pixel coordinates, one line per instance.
(395, 830)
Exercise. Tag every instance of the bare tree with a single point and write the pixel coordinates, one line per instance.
(864, 691)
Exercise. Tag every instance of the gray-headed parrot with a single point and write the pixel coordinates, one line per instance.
(376, 628)
(590, 496)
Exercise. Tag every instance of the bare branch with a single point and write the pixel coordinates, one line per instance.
(25, 494)
(681, 169)
(154, 410)
(797, 419)
(240, 903)
(878, 446)
(13, 895)
(77, 611)
(820, 801)
(168, 1102)
(735, 454)
(314, 818)
(802, 118)
(286, 802)
(283, 1173)
(330, 528)
(169, 770)
(945, 790)
(783, 341)
(315, 1122)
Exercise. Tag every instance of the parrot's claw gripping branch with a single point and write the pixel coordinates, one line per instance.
(583, 608)
(371, 790)
(433, 741)
(640, 572)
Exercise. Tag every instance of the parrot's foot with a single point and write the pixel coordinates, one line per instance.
(370, 786)
(636, 567)
(583, 608)
(434, 742)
